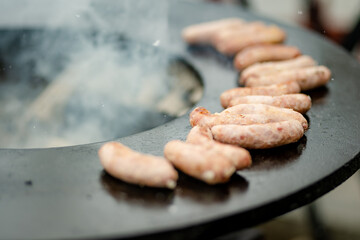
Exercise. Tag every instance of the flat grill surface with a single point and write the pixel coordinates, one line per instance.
(64, 192)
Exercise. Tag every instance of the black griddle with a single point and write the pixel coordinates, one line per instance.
(63, 193)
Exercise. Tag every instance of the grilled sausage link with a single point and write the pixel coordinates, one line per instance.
(203, 32)
(200, 161)
(298, 101)
(276, 113)
(123, 163)
(240, 157)
(199, 135)
(259, 136)
(272, 90)
(199, 118)
(237, 32)
(233, 45)
(264, 53)
(307, 78)
(268, 68)
(202, 117)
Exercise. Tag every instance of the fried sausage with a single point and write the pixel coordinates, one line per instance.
(307, 78)
(264, 53)
(238, 32)
(146, 170)
(202, 117)
(259, 69)
(276, 113)
(199, 135)
(203, 32)
(259, 136)
(199, 161)
(272, 90)
(240, 157)
(298, 101)
(199, 117)
(234, 44)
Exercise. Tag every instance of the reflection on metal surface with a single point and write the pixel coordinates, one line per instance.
(188, 187)
(279, 157)
(198, 191)
(319, 95)
(133, 194)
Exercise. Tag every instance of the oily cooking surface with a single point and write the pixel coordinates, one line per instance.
(66, 190)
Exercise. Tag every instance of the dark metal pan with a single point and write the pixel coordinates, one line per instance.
(63, 193)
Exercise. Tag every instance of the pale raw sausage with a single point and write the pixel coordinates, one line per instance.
(272, 90)
(264, 53)
(146, 170)
(298, 101)
(259, 136)
(268, 68)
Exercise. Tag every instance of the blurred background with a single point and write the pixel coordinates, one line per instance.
(338, 20)
(335, 216)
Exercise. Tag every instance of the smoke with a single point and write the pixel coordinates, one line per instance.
(87, 71)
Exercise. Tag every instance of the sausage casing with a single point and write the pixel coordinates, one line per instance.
(238, 32)
(264, 53)
(259, 136)
(230, 116)
(199, 161)
(307, 78)
(272, 90)
(234, 44)
(298, 101)
(268, 68)
(276, 113)
(240, 157)
(146, 170)
(203, 32)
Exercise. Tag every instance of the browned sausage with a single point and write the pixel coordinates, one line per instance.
(268, 68)
(235, 44)
(307, 78)
(238, 32)
(264, 53)
(276, 113)
(273, 90)
(298, 101)
(259, 136)
(199, 161)
(132, 167)
(203, 32)
(240, 157)
(201, 117)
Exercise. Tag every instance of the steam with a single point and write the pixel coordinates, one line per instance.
(95, 71)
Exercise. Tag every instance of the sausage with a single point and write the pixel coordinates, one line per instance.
(298, 101)
(239, 31)
(259, 136)
(307, 78)
(199, 135)
(272, 90)
(267, 68)
(203, 32)
(202, 117)
(240, 157)
(146, 170)
(199, 161)
(208, 120)
(234, 44)
(264, 53)
(276, 113)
